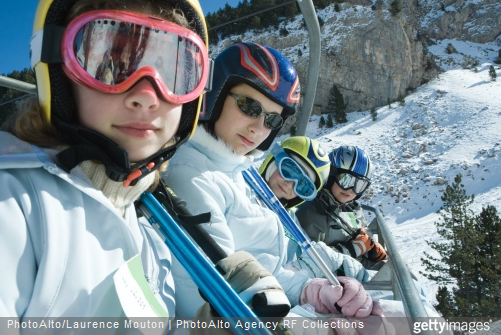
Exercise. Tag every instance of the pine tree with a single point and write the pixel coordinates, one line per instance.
(378, 5)
(395, 7)
(321, 122)
(330, 121)
(454, 214)
(445, 299)
(336, 105)
(488, 228)
(470, 257)
(9, 97)
(373, 114)
(498, 58)
(492, 73)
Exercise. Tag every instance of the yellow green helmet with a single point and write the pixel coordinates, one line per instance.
(308, 153)
(55, 90)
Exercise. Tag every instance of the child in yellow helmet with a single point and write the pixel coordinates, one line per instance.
(295, 169)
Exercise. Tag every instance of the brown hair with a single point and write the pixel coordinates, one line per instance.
(31, 125)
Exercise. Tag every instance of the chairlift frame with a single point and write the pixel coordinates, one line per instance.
(399, 279)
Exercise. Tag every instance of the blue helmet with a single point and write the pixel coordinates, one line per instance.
(259, 66)
(352, 163)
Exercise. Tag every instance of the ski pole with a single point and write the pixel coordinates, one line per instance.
(255, 180)
(215, 288)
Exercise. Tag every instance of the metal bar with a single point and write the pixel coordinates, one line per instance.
(18, 85)
(411, 300)
(378, 285)
(310, 18)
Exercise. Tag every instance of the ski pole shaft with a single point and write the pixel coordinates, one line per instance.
(261, 187)
(211, 283)
(174, 211)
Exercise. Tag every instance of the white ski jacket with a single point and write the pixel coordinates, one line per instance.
(208, 176)
(61, 240)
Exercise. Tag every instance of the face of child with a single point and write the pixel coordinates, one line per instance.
(283, 189)
(137, 120)
(343, 196)
(239, 131)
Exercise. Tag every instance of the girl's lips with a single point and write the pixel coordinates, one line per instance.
(246, 141)
(285, 190)
(138, 131)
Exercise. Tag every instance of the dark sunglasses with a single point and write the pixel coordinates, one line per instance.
(253, 109)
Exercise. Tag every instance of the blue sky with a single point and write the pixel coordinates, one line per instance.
(16, 24)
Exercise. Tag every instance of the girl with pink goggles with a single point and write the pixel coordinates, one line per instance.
(109, 51)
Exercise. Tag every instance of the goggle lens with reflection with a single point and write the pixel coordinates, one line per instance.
(349, 180)
(253, 109)
(110, 51)
(290, 170)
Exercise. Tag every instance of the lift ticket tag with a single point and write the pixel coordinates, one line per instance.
(134, 292)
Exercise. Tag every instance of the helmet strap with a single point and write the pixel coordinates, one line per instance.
(91, 145)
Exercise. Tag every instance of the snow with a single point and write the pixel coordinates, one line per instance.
(448, 126)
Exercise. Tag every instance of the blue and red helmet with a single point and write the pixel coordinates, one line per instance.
(351, 167)
(259, 66)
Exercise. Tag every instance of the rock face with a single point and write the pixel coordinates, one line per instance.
(374, 57)
(373, 64)
(474, 21)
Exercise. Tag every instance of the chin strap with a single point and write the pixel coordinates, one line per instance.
(136, 175)
(91, 145)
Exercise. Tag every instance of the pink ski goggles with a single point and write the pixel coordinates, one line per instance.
(110, 51)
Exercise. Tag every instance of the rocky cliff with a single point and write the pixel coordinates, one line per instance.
(374, 57)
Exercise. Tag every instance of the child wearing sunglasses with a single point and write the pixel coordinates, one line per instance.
(254, 90)
(295, 169)
(119, 89)
(335, 217)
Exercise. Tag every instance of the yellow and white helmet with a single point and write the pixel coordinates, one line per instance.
(310, 156)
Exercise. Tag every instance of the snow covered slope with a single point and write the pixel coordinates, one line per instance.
(450, 125)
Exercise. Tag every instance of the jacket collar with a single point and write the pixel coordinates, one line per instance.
(17, 154)
(216, 149)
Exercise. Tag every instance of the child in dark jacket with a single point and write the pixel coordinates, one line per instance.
(335, 216)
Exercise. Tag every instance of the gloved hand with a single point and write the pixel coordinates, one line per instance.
(377, 253)
(254, 284)
(362, 244)
(351, 299)
(334, 260)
